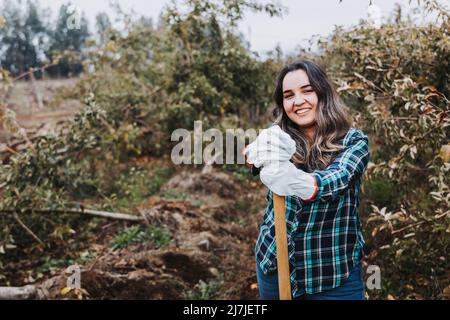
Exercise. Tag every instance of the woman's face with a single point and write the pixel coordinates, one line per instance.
(299, 99)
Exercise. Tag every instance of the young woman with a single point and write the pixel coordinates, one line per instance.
(313, 157)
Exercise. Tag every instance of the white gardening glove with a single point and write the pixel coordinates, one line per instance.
(284, 179)
(272, 145)
(273, 149)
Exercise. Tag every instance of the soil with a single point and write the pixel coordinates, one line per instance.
(212, 244)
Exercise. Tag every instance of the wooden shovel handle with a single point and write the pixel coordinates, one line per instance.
(284, 282)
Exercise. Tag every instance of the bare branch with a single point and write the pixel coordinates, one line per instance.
(104, 214)
(16, 216)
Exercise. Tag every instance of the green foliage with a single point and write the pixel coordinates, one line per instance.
(50, 264)
(55, 169)
(395, 81)
(241, 172)
(380, 192)
(75, 165)
(192, 67)
(130, 187)
(203, 291)
(69, 37)
(174, 194)
(160, 236)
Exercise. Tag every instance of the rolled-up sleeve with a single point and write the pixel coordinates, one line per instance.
(350, 163)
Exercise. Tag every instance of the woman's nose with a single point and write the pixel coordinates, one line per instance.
(299, 100)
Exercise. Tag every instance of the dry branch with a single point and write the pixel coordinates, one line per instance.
(18, 293)
(82, 211)
(24, 226)
(419, 223)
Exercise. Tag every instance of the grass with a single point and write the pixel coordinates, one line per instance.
(179, 195)
(50, 264)
(242, 172)
(133, 186)
(174, 194)
(196, 203)
(160, 236)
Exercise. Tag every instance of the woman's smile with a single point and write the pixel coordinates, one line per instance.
(302, 112)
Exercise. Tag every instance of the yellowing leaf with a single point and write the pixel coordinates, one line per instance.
(111, 46)
(445, 153)
(65, 290)
(409, 287)
(446, 292)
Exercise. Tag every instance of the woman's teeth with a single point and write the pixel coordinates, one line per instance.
(303, 111)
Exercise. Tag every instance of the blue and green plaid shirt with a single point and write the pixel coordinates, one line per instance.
(324, 233)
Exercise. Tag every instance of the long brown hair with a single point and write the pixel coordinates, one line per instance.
(331, 118)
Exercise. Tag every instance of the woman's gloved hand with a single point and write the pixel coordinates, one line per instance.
(272, 150)
(271, 145)
(284, 179)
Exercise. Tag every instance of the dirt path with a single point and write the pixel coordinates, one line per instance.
(29, 116)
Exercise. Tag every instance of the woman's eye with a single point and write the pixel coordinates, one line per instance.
(288, 97)
(309, 91)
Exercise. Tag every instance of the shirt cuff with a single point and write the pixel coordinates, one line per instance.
(317, 184)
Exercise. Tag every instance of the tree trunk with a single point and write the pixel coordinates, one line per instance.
(36, 94)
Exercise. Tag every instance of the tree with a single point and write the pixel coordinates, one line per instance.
(23, 37)
(395, 81)
(68, 38)
(102, 24)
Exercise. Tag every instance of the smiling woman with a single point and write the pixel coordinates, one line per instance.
(315, 159)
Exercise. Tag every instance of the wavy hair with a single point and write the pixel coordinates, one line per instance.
(331, 119)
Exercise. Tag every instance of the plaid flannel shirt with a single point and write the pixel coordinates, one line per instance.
(324, 233)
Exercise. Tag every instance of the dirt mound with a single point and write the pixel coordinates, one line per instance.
(215, 182)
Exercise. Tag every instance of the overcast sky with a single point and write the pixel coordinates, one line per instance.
(305, 18)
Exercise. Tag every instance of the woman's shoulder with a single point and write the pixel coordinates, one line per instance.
(354, 135)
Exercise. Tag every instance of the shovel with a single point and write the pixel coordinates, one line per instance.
(284, 280)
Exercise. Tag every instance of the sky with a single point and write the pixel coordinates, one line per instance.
(305, 18)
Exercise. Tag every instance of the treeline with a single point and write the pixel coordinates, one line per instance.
(30, 38)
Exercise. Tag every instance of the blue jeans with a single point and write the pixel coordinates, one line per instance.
(351, 289)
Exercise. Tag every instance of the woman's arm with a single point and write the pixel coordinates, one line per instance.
(282, 177)
(351, 162)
